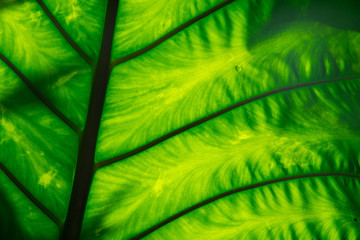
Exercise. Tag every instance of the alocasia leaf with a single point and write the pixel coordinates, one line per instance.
(199, 119)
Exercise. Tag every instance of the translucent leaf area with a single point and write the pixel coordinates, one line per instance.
(181, 119)
(294, 133)
(214, 64)
(44, 92)
(20, 218)
(311, 208)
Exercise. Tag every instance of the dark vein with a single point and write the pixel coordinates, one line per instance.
(170, 34)
(64, 33)
(211, 116)
(39, 95)
(225, 194)
(85, 162)
(30, 196)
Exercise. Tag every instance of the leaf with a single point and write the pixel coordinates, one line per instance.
(179, 119)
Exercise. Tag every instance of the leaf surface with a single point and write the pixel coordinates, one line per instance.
(181, 120)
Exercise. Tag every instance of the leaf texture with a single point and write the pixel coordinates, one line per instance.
(179, 119)
(208, 67)
(297, 137)
(310, 208)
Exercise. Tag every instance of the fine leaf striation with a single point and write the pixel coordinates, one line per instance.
(199, 119)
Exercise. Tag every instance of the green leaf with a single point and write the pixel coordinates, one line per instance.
(179, 119)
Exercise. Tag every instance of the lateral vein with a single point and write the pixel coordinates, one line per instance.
(211, 116)
(234, 191)
(64, 33)
(30, 196)
(39, 95)
(170, 34)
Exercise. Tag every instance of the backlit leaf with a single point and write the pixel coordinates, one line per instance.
(198, 119)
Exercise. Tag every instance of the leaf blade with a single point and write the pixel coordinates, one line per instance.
(285, 210)
(28, 130)
(302, 131)
(191, 76)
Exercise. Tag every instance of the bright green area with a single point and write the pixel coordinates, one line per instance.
(140, 23)
(213, 64)
(33, 44)
(308, 130)
(311, 208)
(19, 218)
(242, 50)
(83, 20)
(35, 145)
